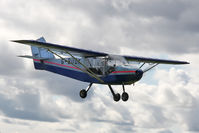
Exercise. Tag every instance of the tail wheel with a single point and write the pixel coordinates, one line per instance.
(83, 93)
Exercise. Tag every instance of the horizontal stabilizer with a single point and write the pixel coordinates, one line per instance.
(33, 57)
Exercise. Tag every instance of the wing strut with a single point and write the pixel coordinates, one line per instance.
(142, 65)
(88, 71)
(147, 69)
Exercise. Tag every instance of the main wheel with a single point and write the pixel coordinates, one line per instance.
(125, 96)
(116, 97)
(83, 93)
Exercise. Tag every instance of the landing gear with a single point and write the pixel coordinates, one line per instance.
(125, 95)
(83, 93)
(116, 97)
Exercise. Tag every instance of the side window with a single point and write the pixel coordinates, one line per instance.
(62, 62)
(69, 61)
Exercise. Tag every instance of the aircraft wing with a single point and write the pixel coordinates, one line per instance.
(154, 60)
(61, 48)
(89, 53)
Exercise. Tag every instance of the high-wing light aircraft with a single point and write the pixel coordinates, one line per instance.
(90, 66)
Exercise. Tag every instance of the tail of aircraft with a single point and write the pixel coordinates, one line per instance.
(40, 54)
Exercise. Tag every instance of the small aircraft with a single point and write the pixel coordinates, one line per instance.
(91, 66)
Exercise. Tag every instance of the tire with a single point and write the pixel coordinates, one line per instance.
(83, 93)
(116, 97)
(125, 96)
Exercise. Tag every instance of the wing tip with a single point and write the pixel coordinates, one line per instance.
(14, 40)
(187, 62)
(17, 41)
(23, 41)
(182, 63)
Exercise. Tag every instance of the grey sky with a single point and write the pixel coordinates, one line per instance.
(37, 101)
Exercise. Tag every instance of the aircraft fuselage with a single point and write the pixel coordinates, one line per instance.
(115, 75)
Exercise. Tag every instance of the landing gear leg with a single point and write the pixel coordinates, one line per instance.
(116, 97)
(83, 93)
(125, 95)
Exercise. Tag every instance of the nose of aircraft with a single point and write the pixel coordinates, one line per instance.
(139, 74)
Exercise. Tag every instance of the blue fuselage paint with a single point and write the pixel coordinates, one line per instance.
(121, 75)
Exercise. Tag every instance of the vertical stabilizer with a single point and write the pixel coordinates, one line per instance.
(40, 53)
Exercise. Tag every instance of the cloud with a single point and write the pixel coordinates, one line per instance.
(6, 67)
(156, 25)
(166, 131)
(24, 103)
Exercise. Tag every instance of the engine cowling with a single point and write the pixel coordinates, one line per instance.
(139, 74)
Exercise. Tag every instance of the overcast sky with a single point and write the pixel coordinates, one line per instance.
(165, 101)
